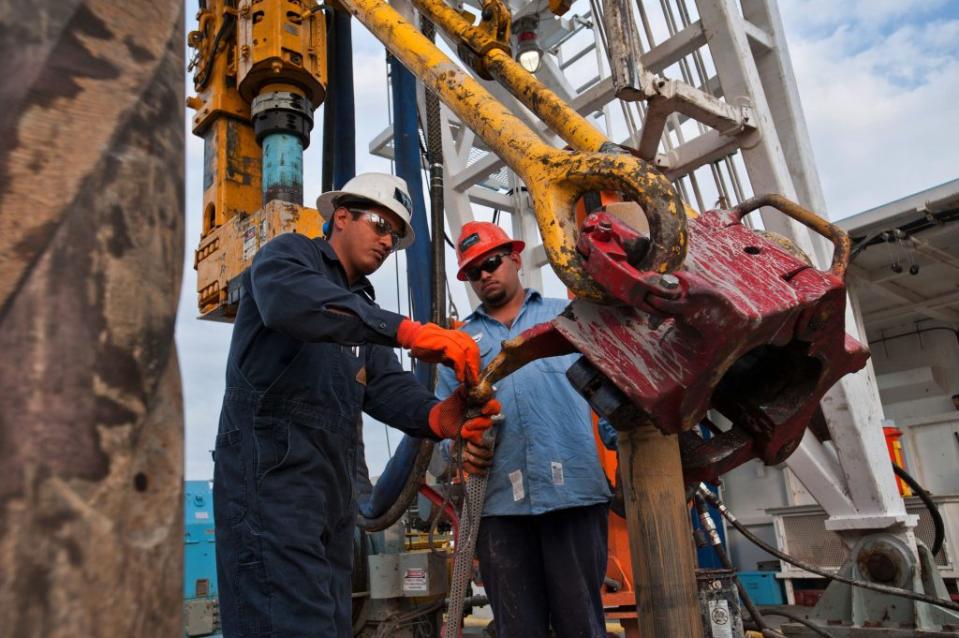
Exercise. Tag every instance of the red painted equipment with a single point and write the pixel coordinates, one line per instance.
(747, 327)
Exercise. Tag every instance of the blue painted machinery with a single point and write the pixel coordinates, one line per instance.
(200, 609)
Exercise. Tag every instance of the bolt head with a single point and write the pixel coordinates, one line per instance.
(669, 281)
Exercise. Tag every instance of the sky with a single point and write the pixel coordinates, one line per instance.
(879, 85)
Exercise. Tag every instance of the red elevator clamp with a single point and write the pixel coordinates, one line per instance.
(745, 327)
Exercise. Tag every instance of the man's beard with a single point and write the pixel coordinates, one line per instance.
(496, 298)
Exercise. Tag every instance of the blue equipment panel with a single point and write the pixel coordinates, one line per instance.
(199, 552)
(763, 587)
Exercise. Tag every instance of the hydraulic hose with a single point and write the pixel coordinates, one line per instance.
(339, 121)
(813, 569)
(397, 486)
(926, 498)
(709, 526)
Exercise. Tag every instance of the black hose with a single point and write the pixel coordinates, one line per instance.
(409, 491)
(926, 498)
(755, 540)
(709, 526)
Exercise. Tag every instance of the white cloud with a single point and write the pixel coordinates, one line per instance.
(880, 98)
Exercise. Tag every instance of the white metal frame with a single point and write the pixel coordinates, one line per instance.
(751, 116)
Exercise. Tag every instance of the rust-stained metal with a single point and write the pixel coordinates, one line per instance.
(538, 342)
(91, 254)
(747, 327)
(279, 41)
(242, 50)
(840, 240)
(231, 156)
(660, 534)
(556, 178)
(575, 129)
(228, 250)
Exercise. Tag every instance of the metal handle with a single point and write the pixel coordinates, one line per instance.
(840, 240)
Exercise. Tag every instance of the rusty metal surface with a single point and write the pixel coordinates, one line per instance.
(745, 327)
(538, 342)
(227, 251)
(91, 206)
(840, 240)
(660, 534)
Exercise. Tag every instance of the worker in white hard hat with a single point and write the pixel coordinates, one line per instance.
(310, 351)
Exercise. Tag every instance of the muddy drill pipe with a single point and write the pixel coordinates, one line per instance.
(91, 256)
(660, 536)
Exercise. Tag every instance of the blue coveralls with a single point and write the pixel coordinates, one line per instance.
(309, 352)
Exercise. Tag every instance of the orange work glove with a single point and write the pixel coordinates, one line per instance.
(432, 344)
(477, 459)
(448, 418)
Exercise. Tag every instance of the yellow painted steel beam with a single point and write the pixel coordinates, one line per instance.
(555, 178)
(572, 127)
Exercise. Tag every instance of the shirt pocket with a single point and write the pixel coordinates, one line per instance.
(486, 350)
(557, 365)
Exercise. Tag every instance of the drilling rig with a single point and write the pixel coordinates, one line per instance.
(680, 315)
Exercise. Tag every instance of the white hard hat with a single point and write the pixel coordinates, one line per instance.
(389, 191)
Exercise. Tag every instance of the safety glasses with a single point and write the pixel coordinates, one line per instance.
(490, 264)
(381, 226)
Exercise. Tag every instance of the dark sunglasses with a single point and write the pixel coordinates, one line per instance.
(380, 225)
(489, 265)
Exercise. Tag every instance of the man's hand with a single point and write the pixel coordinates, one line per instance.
(448, 418)
(477, 458)
(433, 344)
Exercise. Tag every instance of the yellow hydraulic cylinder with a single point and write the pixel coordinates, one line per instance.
(231, 157)
(282, 41)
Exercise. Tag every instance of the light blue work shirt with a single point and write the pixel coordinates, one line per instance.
(545, 457)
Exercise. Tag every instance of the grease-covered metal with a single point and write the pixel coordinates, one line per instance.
(556, 178)
(746, 327)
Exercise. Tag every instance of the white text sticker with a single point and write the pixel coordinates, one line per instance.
(516, 478)
(719, 619)
(557, 473)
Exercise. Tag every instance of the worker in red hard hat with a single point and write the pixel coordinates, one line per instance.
(543, 535)
(310, 351)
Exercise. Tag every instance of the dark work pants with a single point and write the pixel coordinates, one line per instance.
(285, 515)
(546, 570)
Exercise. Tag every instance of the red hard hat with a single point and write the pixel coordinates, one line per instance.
(478, 238)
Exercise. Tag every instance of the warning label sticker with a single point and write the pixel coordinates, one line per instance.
(249, 243)
(416, 581)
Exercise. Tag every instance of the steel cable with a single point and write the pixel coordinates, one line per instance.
(883, 589)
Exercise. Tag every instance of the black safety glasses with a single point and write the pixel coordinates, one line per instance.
(489, 265)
